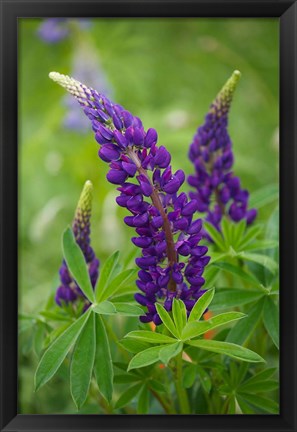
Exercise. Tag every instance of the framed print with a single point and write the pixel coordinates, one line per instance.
(148, 241)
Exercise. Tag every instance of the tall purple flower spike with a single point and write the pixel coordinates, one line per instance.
(217, 191)
(172, 261)
(69, 291)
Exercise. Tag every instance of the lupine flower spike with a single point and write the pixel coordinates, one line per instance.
(217, 190)
(172, 261)
(68, 291)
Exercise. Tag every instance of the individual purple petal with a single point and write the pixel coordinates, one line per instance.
(109, 152)
(116, 176)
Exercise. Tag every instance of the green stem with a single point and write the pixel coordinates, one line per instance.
(181, 392)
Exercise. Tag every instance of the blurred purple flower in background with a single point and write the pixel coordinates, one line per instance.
(218, 191)
(172, 261)
(85, 64)
(54, 30)
(69, 291)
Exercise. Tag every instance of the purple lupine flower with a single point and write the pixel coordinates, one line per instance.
(54, 30)
(68, 291)
(172, 261)
(217, 190)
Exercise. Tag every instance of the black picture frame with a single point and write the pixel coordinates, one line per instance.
(286, 12)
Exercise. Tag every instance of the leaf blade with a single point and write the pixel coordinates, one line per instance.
(82, 362)
(57, 351)
(77, 265)
(103, 361)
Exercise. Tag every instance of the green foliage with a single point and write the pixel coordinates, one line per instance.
(77, 265)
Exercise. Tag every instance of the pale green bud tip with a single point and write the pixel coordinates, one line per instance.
(224, 97)
(85, 200)
(73, 86)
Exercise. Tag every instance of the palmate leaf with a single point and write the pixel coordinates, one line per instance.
(233, 297)
(133, 345)
(264, 260)
(117, 285)
(151, 337)
(194, 329)
(201, 305)
(215, 235)
(77, 265)
(106, 275)
(243, 329)
(103, 361)
(229, 349)
(146, 357)
(179, 313)
(143, 401)
(265, 404)
(264, 196)
(82, 362)
(271, 320)
(170, 351)
(128, 395)
(104, 308)
(57, 351)
(128, 309)
(250, 235)
(237, 271)
(167, 320)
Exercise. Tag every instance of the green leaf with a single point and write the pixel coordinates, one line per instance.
(238, 232)
(210, 275)
(194, 329)
(77, 265)
(201, 305)
(204, 379)
(245, 407)
(232, 297)
(215, 235)
(117, 285)
(264, 196)
(189, 375)
(249, 236)
(127, 309)
(170, 351)
(179, 313)
(106, 274)
(262, 244)
(145, 358)
(126, 378)
(133, 345)
(103, 361)
(127, 396)
(82, 362)
(261, 376)
(227, 232)
(263, 403)
(243, 329)
(264, 260)
(236, 351)
(271, 320)
(57, 351)
(259, 387)
(143, 401)
(150, 336)
(272, 233)
(157, 386)
(167, 320)
(104, 308)
(237, 271)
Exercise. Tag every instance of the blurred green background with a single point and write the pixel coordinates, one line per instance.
(167, 72)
